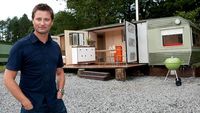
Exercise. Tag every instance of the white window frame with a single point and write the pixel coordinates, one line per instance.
(174, 31)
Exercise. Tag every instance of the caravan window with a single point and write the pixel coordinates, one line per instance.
(76, 38)
(172, 37)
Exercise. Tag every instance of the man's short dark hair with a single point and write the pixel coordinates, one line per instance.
(42, 7)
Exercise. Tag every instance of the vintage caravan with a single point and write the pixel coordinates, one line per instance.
(138, 42)
(173, 36)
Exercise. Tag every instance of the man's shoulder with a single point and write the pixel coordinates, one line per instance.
(24, 39)
(55, 43)
(21, 42)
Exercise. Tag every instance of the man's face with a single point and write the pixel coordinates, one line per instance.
(42, 22)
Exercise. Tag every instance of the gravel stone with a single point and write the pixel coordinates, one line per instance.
(138, 94)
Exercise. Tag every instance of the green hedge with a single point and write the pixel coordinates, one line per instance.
(2, 68)
(4, 55)
(4, 49)
(4, 52)
(7, 43)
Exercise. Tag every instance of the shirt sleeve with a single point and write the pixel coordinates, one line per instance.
(60, 60)
(14, 59)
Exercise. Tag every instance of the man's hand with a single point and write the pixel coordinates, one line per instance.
(26, 104)
(13, 87)
(59, 95)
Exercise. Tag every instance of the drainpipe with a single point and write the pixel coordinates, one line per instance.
(137, 10)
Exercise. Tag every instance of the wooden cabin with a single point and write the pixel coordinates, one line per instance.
(104, 44)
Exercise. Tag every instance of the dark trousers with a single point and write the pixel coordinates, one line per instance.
(58, 108)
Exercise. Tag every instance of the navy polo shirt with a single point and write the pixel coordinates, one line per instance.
(38, 63)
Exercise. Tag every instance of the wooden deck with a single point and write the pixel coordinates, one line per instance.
(101, 66)
(120, 69)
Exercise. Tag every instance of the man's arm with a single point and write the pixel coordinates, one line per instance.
(13, 87)
(60, 82)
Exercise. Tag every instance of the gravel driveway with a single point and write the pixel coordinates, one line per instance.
(141, 94)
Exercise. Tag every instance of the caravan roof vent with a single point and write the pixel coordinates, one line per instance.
(177, 21)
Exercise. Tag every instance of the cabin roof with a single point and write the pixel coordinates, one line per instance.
(105, 27)
(169, 21)
(147, 20)
(158, 22)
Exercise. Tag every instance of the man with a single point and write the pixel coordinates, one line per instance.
(39, 59)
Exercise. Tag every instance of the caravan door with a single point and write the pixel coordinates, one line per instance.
(142, 42)
(131, 43)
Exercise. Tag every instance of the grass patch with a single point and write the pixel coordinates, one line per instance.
(2, 68)
(6, 43)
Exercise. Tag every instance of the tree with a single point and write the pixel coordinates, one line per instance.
(63, 20)
(24, 26)
(151, 9)
(90, 13)
(190, 10)
(18, 28)
(13, 27)
(126, 9)
(193, 15)
(3, 29)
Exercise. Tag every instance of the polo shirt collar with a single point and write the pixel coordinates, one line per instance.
(34, 38)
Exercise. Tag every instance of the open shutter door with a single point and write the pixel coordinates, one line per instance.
(131, 43)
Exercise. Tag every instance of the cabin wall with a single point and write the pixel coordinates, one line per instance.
(93, 36)
(157, 52)
(62, 44)
(62, 47)
(68, 49)
(115, 38)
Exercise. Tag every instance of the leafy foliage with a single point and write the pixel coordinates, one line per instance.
(15, 28)
(63, 20)
(191, 15)
(90, 13)
(24, 26)
(2, 67)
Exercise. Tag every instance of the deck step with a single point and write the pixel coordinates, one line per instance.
(95, 75)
